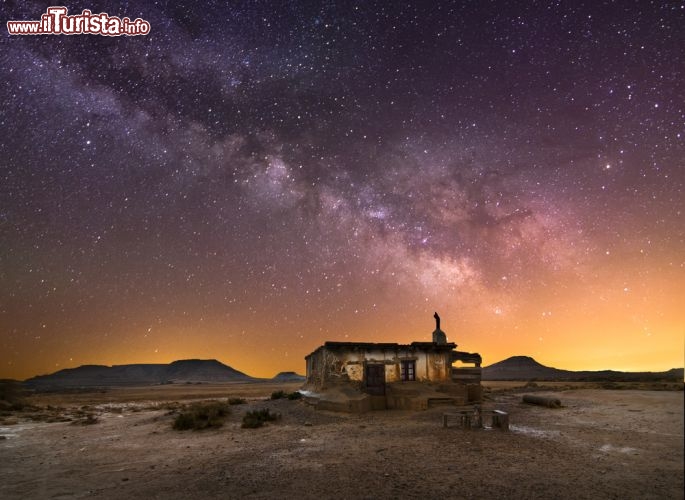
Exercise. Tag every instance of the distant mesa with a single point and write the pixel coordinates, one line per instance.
(289, 377)
(522, 368)
(203, 370)
(526, 368)
(183, 371)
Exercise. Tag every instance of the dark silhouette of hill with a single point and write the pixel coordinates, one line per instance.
(526, 368)
(211, 370)
(187, 370)
(203, 370)
(289, 377)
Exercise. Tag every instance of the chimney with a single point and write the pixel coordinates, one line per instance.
(439, 336)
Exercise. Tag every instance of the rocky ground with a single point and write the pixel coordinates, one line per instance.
(600, 444)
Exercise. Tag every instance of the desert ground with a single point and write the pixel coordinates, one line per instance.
(119, 443)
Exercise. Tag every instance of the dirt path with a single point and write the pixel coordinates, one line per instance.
(601, 444)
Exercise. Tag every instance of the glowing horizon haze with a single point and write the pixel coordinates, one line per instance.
(252, 179)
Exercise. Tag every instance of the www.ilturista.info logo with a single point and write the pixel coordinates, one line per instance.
(56, 22)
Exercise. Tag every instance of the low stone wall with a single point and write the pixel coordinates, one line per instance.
(398, 396)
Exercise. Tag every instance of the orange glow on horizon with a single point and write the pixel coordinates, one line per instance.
(600, 338)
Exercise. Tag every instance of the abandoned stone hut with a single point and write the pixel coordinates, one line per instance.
(362, 376)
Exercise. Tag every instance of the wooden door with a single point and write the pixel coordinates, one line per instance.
(375, 379)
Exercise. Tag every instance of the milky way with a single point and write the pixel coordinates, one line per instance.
(254, 178)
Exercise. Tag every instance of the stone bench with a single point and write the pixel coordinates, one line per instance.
(468, 419)
(463, 418)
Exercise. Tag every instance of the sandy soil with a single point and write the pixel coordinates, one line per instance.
(600, 444)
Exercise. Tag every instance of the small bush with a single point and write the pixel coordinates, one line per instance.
(236, 401)
(184, 421)
(257, 418)
(12, 395)
(201, 416)
(285, 395)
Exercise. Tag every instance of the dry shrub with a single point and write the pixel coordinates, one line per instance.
(258, 418)
(278, 395)
(202, 416)
(12, 395)
(286, 395)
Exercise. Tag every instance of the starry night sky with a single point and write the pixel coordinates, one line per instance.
(254, 178)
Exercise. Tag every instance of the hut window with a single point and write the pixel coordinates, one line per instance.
(408, 371)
